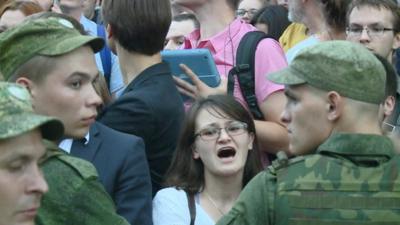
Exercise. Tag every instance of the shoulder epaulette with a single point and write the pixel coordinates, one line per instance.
(83, 168)
(282, 161)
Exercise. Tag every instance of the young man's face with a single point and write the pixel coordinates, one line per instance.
(21, 181)
(373, 18)
(305, 116)
(67, 92)
(176, 33)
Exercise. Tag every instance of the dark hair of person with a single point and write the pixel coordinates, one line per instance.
(138, 25)
(335, 13)
(187, 173)
(378, 4)
(275, 17)
(26, 7)
(391, 77)
(187, 16)
(234, 4)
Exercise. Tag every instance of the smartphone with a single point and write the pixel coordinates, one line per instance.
(200, 61)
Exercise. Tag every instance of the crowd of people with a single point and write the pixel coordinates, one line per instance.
(95, 129)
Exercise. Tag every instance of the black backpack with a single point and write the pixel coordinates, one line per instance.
(244, 70)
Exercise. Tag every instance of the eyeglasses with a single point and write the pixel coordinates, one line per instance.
(372, 31)
(242, 12)
(212, 133)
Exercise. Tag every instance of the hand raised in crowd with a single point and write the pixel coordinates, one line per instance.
(198, 88)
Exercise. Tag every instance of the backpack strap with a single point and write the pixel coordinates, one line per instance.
(105, 55)
(192, 207)
(245, 70)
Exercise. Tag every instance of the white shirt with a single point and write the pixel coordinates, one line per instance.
(66, 144)
(170, 207)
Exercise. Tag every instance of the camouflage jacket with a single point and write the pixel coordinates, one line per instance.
(352, 179)
(75, 196)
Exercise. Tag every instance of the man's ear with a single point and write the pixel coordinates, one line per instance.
(388, 106)
(396, 41)
(28, 84)
(334, 105)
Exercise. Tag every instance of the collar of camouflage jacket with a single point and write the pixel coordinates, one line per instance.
(358, 145)
(51, 150)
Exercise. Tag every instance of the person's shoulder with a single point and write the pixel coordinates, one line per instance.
(63, 164)
(82, 167)
(282, 162)
(170, 192)
(116, 136)
(304, 168)
(170, 197)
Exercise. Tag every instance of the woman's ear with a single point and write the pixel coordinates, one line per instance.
(251, 141)
(195, 154)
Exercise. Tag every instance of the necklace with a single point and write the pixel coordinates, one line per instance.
(213, 203)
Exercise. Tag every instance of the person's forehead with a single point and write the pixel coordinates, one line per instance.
(21, 146)
(250, 4)
(208, 115)
(365, 15)
(72, 63)
(180, 28)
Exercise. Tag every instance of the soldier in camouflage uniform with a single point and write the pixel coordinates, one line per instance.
(75, 195)
(21, 182)
(348, 172)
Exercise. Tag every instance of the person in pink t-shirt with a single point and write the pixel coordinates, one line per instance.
(221, 33)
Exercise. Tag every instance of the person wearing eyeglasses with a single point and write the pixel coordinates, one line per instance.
(216, 156)
(248, 8)
(376, 25)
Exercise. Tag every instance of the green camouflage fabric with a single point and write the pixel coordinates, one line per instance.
(17, 116)
(75, 195)
(353, 179)
(46, 37)
(347, 68)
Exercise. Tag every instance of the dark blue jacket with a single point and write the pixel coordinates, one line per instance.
(121, 163)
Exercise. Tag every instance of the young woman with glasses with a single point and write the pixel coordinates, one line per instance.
(216, 156)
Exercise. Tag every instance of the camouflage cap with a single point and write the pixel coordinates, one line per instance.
(46, 37)
(17, 116)
(348, 68)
